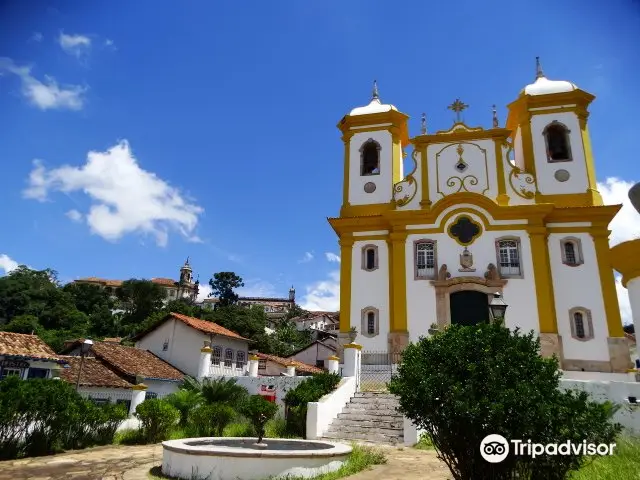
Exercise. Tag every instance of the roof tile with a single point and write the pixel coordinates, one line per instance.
(206, 326)
(302, 367)
(94, 373)
(29, 346)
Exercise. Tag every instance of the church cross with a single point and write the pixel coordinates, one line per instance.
(458, 106)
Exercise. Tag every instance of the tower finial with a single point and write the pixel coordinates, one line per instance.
(495, 117)
(423, 128)
(539, 72)
(375, 90)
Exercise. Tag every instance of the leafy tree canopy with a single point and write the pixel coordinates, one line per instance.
(223, 285)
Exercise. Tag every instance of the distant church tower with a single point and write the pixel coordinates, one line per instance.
(186, 286)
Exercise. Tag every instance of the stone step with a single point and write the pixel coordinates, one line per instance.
(368, 409)
(338, 426)
(363, 417)
(375, 394)
(372, 438)
(375, 401)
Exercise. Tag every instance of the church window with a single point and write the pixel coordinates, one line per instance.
(556, 137)
(240, 360)
(228, 358)
(216, 355)
(581, 323)
(370, 319)
(425, 259)
(508, 251)
(571, 250)
(370, 158)
(370, 258)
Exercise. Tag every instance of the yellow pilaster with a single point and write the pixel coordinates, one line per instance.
(503, 198)
(424, 178)
(345, 187)
(543, 281)
(605, 269)
(397, 281)
(346, 264)
(595, 197)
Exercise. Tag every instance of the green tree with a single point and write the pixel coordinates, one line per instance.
(287, 338)
(248, 322)
(295, 311)
(471, 381)
(23, 324)
(139, 299)
(223, 285)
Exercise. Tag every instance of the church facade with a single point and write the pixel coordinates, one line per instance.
(512, 210)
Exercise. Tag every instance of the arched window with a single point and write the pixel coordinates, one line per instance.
(571, 249)
(241, 360)
(370, 322)
(370, 158)
(425, 259)
(556, 137)
(509, 258)
(216, 355)
(370, 257)
(228, 358)
(581, 323)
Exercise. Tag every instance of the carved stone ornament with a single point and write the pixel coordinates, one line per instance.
(443, 274)
(492, 272)
(466, 261)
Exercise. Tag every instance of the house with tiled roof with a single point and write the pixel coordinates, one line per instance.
(316, 353)
(178, 340)
(324, 321)
(272, 365)
(27, 356)
(132, 365)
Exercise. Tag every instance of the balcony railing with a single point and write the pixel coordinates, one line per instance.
(223, 370)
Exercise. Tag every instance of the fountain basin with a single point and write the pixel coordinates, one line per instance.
(231, 458)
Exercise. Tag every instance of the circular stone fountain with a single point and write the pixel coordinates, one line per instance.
(219, 458)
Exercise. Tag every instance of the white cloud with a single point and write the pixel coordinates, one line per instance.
(332, 257)
(74, 215)
(7, 263)
(623, 301)
(307, 257)
(203, 291)
(36, 37)
(76, 45)
(323, 295)
(47, 95)
(626, 225)
(125, 198)
(255, 287)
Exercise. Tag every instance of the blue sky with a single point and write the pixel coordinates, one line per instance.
(213, 124)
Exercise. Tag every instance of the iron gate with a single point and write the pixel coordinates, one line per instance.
(376, 370)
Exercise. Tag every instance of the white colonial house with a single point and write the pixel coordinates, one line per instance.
(325, 321)
(26, 356)
(511, 209)
(177, 339)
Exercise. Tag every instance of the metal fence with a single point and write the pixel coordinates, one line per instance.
(376, 370)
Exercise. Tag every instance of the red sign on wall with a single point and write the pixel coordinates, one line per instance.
(268, 392)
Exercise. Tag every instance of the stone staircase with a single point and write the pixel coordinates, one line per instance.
(369, 417)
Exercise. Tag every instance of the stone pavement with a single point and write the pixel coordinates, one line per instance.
(134, 463)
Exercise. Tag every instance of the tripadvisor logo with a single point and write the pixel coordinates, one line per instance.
(495, 448)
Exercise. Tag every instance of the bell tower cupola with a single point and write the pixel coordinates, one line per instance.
(186, 273)
(551, 140)
(374, 137)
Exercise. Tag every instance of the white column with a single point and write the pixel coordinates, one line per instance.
(205, 362)
(633, 289)
(138, 394)
(351, 360)
(332, 364)
(291, 370)
(253, 365)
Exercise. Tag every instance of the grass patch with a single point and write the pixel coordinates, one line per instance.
(361, 458)
(424, 443)
(623, 465)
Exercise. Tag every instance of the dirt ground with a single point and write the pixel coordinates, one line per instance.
(134, 463)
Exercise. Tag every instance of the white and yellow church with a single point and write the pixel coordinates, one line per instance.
(512, 210)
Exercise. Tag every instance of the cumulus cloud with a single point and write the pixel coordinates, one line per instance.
(47, 94)
(7, 264)
(323, 295)
(332, 257)
(76, 45)
(74, 215)
(307, 257)
(125, 199)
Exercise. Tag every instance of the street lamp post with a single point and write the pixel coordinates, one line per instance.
(85, 346)
(497, 307)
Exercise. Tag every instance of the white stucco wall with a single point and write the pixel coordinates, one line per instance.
(314, 352)
(24, 372)
(100, 393)
(371, 289)
(479, 155)
(545, 170)
(415, 170)
(161, 388)
(579, 287)
(517, 149)
(384, 181)
(322, 413)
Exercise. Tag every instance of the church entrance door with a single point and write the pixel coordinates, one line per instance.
(469, 307)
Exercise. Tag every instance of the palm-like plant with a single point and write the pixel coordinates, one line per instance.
(184, 400)
(219, 390)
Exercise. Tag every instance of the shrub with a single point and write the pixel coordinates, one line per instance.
(259, 411)
(218, 390)
(184, 401)
(310, 390)
(157, 418)
(210, 420)
(471, 381)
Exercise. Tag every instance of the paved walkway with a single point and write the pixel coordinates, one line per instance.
(134, 463)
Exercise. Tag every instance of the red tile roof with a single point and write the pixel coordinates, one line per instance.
(204, 326)
(132, 361)
(94, 373)
(301, 367)
(164, 281)
(28, 346)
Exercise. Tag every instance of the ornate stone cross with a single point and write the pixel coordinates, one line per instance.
(458, 106)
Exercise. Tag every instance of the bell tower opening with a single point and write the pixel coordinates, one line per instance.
(469, 307)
